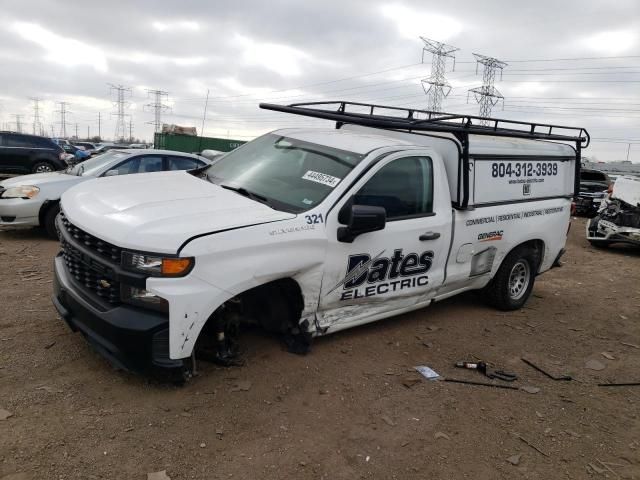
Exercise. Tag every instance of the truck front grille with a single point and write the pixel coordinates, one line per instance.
(102, 248)
(95, 277)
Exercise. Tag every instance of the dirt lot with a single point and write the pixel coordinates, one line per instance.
(341, 411)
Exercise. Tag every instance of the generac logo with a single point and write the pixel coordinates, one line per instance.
(491, 236)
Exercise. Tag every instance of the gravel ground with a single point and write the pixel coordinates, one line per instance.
(343, 411)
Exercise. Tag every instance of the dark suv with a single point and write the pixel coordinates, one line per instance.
(21, 153)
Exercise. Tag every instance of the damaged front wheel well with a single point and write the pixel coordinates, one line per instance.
(275, 306)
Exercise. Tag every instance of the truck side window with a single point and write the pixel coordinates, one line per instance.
(404, 188)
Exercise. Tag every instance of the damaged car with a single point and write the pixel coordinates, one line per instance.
(618, 219)
(594, 187)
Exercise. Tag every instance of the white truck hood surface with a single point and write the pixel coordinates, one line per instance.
(158, 212)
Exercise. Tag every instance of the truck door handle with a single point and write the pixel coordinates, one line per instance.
(429, 236)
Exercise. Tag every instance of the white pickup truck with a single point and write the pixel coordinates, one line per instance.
(309, 231)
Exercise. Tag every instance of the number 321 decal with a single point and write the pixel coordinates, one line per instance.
(313, 219)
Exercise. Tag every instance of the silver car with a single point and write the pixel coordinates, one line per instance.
(33, 200)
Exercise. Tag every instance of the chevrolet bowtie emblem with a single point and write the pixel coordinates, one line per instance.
(104, 284)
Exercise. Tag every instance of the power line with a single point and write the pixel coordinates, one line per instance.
(18, 121)
(487, 95)
(120, 104)
(37, 124)
(158, 108)
(438, 87)
(63, 118)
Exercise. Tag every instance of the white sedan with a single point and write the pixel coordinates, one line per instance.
(33, 200)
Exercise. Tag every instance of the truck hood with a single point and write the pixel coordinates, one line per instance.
(158, 212)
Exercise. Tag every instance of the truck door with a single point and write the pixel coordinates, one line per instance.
(401, 265)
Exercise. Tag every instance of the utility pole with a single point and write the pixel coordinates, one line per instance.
(88, 136)
(158, 107)
(18, 118)
(204, 116)
(487, 95)
(63, 118)
(76, 131)
(628, 150)
(130, 131)
(437, 88)
(120, 104)
(37, 124)
(99, 125)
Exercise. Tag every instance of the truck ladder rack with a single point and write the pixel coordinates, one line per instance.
(426, 121)
(461, 126)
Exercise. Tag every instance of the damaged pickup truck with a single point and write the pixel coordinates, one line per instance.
(309, 231)
(618, 219)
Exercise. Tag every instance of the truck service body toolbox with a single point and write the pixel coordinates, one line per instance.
(311, 231)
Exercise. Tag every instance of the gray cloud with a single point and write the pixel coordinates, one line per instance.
(253, 47)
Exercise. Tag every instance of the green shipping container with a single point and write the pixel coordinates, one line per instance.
(191, 144)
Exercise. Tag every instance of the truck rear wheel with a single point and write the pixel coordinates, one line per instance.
(511, 287)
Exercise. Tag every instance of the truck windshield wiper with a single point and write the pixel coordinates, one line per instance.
(246, 193)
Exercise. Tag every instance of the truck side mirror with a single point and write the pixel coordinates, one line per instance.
(360, 219)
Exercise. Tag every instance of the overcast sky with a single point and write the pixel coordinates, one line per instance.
(244, 52)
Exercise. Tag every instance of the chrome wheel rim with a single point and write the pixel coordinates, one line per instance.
(43, 169)
(519, 279)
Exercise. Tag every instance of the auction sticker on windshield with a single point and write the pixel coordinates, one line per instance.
(322, 178)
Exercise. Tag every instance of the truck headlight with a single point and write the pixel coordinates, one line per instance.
(140, 297)
(23, 191)
(157, 266)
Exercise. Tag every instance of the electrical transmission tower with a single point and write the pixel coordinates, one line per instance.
(18, 118)
(158, 107)
(38, 128)
(120, 103)
(487, 95)
(63, 118)
(437, 88)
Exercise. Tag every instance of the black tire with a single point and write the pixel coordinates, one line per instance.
(599, 243)
(512, 284)
(49, 221)
(43, 167)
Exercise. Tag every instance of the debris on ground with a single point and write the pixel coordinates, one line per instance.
(608, 356)
(524, 440)
(439, 435)
(388, 420)
(161, 475)
(514, 459)
(427, 372)
(482, 384)
(411, 380)
(486, 371)
(530, 389)
(594, 365)
(242, 386)
(4, 414)
(545, 371)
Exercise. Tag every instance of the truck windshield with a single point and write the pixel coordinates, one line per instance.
(283, 172)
